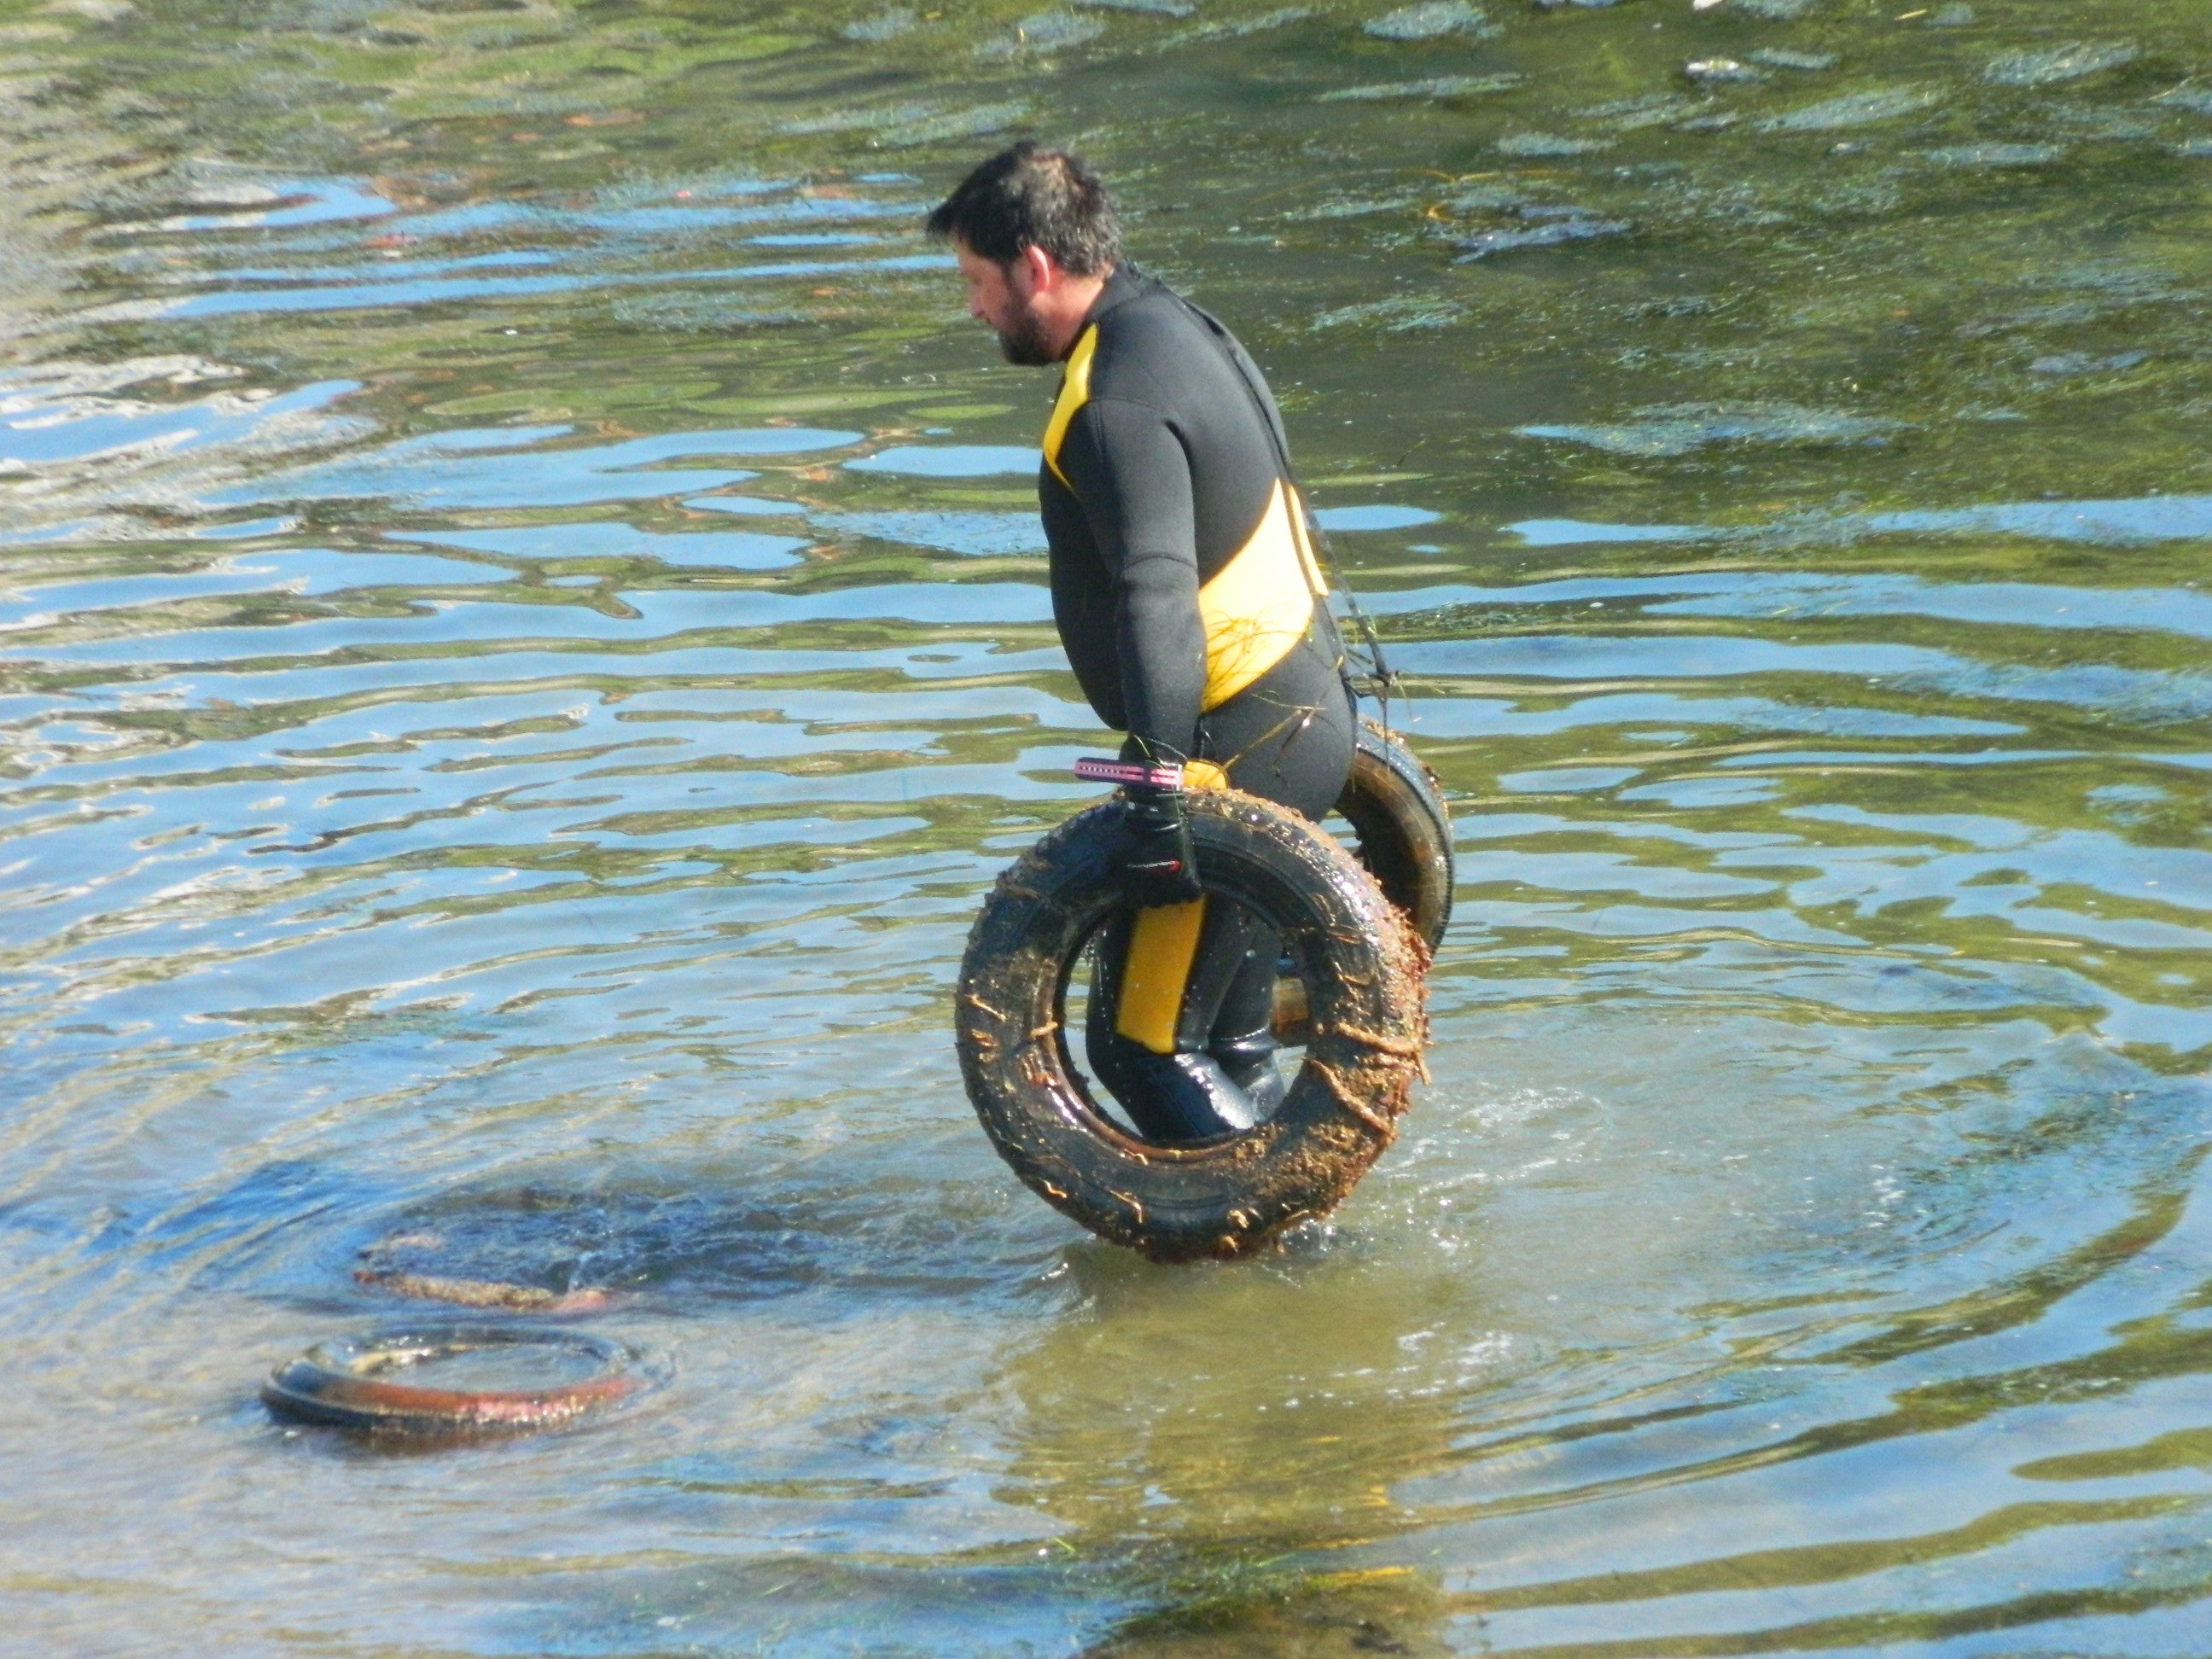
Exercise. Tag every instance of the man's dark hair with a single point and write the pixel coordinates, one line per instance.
(1031, 197)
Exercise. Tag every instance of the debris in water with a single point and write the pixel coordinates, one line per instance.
(1776, 11)
(1955, 15)
(395, 1263)
(1155, 8)
(1431, 20)
(359, 1382)
(2074, 61)
(1855, 109)
(541, 1250)
(1678, 428)
(482, 1293)
(1720, 70)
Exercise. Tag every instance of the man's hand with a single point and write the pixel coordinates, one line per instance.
(1151, 851)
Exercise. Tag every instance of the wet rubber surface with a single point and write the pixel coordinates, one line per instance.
(524, 644)
(451, 1382)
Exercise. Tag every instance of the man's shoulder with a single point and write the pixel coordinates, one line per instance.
(1152, 310)
(1151, 344)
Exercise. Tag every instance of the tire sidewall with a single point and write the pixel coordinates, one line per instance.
(1396, 807)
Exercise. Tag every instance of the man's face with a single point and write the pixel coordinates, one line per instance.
(1004, 297)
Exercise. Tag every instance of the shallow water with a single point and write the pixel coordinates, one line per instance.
(524, 643)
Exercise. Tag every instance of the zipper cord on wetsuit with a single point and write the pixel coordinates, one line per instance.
(1380, 678)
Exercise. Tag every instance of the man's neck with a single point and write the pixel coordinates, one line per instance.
(1073, 303)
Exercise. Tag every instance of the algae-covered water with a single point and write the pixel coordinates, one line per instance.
(524, 641)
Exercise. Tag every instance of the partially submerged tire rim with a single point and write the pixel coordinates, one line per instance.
(1360, 968)
(347, 1381)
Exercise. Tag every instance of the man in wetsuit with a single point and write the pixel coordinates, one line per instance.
(1193, 613)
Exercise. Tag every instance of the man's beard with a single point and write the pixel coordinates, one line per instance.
(1024, 342)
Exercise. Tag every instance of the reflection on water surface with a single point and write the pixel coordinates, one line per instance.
(524, 640)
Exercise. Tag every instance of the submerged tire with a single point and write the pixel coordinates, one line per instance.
(1396, 807)
(1363, 970)
(349, 1383)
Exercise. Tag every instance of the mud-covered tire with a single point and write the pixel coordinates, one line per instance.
(352, 1382)
(1396, 807)
(1364, 971)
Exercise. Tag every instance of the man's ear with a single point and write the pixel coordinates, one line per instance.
(1042, 270)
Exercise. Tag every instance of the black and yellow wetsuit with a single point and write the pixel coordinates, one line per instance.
(1196, 620)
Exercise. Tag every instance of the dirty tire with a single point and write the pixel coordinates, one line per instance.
(349, 1383)
(1396, 807)
(1363, 970)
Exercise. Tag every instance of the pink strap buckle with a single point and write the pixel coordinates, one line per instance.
(1133, 773)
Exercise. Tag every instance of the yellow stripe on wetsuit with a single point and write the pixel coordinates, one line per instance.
(1074, 393)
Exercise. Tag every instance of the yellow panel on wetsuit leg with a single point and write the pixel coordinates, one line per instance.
(1162, 946)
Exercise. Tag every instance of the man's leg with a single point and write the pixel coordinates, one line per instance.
(1160, 1069)
(1288, 739)
(1243, 1037)
(1181, 1023)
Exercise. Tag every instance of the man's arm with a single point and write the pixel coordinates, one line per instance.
(1129, 471)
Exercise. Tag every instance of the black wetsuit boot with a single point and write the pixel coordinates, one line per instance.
(1244, 1040)
(1172, 1098)
(1222, 1077)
